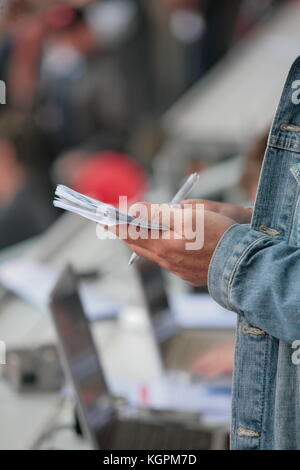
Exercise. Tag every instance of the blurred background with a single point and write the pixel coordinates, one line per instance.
(123, 97)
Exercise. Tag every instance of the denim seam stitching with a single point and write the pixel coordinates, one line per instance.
(282, 147)
(238, 263)
(284, 139)
(237, 388)
(266, 355)
(259, 432)
(287, 139)
(291, 215)
(209, 277)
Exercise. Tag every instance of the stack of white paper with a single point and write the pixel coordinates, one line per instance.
(97, 211)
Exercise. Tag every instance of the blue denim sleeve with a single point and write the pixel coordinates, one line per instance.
(257, 276)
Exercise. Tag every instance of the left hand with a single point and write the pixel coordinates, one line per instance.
(170, 248)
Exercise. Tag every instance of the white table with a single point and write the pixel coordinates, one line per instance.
(72, 240)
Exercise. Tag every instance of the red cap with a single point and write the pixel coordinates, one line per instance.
(108, 175)
(60, 16)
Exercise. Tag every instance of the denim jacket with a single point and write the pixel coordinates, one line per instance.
(255, 271)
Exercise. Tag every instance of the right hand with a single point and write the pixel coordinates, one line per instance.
(241, 215)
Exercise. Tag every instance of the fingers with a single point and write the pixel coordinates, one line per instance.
(239, 214)
(156, 241)
(186, 275)
(182, 251)
(162, 214)
(131, 232)
(121, 231)
(144, 239)
(209, 205)
(150, 255)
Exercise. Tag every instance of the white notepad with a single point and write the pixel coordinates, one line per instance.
(98, 211)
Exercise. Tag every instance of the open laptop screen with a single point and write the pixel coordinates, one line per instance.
(80, 356)
(155, 295)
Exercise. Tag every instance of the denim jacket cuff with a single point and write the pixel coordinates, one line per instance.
(226, 258)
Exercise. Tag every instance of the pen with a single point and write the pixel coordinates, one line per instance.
(181, 194)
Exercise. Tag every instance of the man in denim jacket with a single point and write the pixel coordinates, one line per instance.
(251, 264)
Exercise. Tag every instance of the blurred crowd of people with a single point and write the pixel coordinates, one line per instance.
(89, 79)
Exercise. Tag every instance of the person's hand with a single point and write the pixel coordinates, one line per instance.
(241, 215)
(174, 250)
(216, 362)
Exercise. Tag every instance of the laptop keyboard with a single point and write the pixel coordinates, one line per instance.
(149, 436)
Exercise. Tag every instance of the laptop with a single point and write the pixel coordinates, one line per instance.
(178, 347)
(107, 423)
